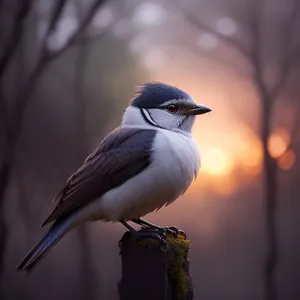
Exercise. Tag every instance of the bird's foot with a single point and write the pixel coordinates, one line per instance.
(145, 234)
(166, 229)
(157, 235)
(174, 231)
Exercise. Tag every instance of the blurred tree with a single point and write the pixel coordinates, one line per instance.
(270, 46)
(85, 262)
(17, 14)
(75, 100)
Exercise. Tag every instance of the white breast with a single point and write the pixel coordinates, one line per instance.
(175, 163)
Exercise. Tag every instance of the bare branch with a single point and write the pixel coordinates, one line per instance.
(289, 60)
(125, 13)
(24, 97)
(54, 19)
(57, 11)
(46, 56)
(252, 55)
(83, 24)
(255, 26)
(15, 35)
(202, 26)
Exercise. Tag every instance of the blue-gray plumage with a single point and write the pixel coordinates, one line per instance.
(106, 168)
(146, 163)
(155, 94)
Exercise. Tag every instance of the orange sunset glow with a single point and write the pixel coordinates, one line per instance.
(287, 160)
(217, 162)
(230, 149)
(278, 142)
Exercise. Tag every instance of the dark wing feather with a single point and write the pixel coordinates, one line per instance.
(121, 155)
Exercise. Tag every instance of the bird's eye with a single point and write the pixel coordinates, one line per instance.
(172, 108)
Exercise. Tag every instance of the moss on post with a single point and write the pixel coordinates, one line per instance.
(178, 267)
(153, 269)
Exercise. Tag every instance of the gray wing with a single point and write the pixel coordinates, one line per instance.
(124, 153)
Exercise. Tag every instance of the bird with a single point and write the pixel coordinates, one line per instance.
(146, 163)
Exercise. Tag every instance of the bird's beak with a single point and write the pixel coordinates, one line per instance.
(198, 110)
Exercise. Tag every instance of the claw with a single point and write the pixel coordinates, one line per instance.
(161, 229)
(173, 230)
(182, 233)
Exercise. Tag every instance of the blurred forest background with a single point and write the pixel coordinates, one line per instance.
(68, 68)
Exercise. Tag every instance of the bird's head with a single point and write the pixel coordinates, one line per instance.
(163, 106)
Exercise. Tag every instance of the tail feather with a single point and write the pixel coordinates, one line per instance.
(42, 248)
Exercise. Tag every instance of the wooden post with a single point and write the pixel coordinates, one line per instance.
(153, 269)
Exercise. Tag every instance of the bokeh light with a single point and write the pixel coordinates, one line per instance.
(278, 142)
(231, 149)
(103, 18)
(149, 14)
(287, 160)
(226, 26)
(217, 162)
